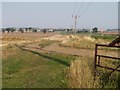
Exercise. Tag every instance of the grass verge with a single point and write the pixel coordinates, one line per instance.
(25, 69)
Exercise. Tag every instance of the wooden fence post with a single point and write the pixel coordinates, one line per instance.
(95, 59)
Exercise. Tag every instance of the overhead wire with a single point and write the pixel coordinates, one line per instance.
(74, 8)
(85, 10)
(73, 12)
(81, 6)
(78, 11)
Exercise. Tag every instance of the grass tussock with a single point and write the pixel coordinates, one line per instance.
(81, 75)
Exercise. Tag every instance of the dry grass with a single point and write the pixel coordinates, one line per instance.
(82, 42)
(81, 75)
(80, 72)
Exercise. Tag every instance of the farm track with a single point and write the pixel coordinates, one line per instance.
(55, 48)
(18, 38)
(33, 44)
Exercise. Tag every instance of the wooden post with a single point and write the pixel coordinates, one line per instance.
(95, 60)
(98, 60)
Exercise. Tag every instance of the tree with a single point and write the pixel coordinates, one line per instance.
(85, 30)
(3, 30)
(12, 30)
(95, 29)
(21, 30)
(26, 29)
(44, 30)
(34, 30)
(8, 30)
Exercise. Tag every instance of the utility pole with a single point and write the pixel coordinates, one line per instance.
(75, 17)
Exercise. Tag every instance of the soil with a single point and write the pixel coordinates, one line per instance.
(33, 44)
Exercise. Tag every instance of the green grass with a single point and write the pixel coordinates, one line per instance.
(105, 37)
(32, 70)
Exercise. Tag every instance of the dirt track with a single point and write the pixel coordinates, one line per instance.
(33, 44)
(58, 49)
(19, 38)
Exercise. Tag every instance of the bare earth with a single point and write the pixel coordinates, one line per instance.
(32, 41)
(19, 38)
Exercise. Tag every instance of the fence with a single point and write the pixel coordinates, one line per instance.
(97, 58)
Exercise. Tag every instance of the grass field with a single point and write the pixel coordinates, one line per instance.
(24, 66)
(27, 69)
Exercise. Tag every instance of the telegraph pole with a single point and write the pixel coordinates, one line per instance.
(75, 17)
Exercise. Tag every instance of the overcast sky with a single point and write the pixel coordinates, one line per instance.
(59, 14)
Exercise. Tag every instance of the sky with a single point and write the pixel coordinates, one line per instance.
(60, 0)
(103, 15)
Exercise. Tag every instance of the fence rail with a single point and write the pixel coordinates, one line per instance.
(97, 58)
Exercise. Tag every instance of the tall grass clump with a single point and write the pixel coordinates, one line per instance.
(80, 75)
